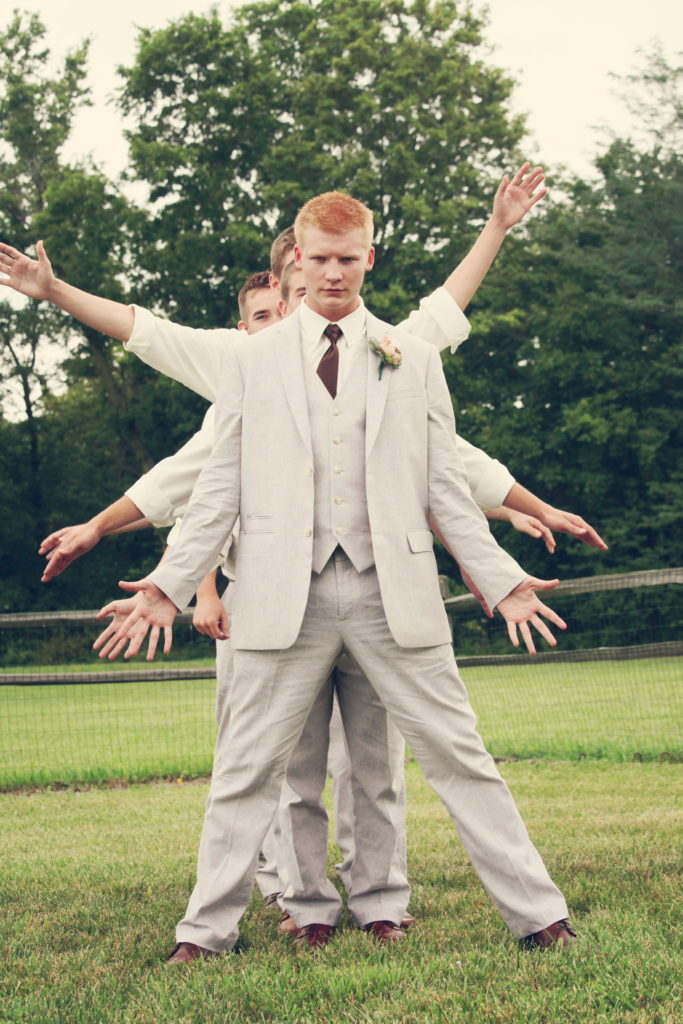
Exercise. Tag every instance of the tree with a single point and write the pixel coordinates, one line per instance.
(126, 413)
(586, 320)
(236, 126)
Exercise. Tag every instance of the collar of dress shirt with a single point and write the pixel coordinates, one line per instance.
(314, 342)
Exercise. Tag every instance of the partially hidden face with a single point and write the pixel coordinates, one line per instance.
(262, 309)
(296, 289)
(334, 267)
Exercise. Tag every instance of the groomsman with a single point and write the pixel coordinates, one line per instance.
(338, 496)
(567, 523)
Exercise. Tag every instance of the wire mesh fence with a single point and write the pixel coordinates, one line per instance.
(613, 688)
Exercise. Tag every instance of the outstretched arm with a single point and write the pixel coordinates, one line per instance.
(512, 202)
(522, 500)
(36, 279)
(64, 546)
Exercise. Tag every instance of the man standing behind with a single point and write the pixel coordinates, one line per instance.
(336, 489)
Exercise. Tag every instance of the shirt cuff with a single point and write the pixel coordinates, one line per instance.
(139, 340)
(152, 502)
(448, 317)
(493, 486)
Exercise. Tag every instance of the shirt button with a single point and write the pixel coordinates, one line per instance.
(336, 440)
(338, 501)
(338, 469)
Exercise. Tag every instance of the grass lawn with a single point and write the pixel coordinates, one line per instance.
(92, 883)
(74, 732)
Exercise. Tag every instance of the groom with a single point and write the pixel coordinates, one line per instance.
(337, 462)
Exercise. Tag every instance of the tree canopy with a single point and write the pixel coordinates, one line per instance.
(571, 375)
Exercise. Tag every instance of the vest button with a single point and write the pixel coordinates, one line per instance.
(338, 501)
(336, 440)
(336, 412)
(338, 469)
(339, 531)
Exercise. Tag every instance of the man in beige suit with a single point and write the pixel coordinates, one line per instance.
(337, 476)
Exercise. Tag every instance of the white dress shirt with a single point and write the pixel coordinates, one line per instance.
(315, 344)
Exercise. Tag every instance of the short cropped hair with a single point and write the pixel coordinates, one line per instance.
(335, 212)
(254, 283)
(286, 280)
(279, 251)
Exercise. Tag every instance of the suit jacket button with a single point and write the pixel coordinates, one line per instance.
(309, 471)
(308, 533)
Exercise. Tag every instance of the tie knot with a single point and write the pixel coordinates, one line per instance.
(333, 332)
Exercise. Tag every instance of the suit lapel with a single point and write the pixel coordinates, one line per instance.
(289, 359)
(377, 389)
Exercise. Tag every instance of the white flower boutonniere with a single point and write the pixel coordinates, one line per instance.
(387, 352)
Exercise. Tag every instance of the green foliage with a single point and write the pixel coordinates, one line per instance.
(572, 375)
(237, 126)
(580, 390)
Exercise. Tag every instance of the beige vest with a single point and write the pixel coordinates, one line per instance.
(338, 439)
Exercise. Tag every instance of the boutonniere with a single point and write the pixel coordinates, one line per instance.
(387, 352)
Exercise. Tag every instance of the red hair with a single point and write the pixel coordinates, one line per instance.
(336, 213)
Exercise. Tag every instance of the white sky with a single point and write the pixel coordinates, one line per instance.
(560, 55)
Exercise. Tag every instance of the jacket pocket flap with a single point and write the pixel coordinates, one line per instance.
(420, 540)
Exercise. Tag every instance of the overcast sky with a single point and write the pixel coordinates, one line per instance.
(560, 55)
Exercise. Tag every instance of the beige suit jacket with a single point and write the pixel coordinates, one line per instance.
(261, 469)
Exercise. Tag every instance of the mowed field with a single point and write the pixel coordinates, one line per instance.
(74, 732)
(92, 882)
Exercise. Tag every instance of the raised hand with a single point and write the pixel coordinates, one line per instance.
(64, 546)
(24, 274)
(150, 609)
(521, 607)
(514, 198)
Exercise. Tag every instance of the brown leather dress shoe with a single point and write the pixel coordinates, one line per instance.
(186, 952)
(384, 931)
(287, 925)
(406, 922)
(559, 932)
(313, 936)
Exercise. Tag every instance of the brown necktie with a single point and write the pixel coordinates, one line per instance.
(328, 367)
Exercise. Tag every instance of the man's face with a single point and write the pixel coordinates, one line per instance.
(297, 290)
(262, 309)
(289, 257)
(333, 268)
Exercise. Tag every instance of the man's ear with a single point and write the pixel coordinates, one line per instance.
(297, 256)
(241, 326)
(371, 259)
(282, 306)
(273, 281)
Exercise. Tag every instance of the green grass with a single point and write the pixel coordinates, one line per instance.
(88, 732)
(612, 709)
(92, 883)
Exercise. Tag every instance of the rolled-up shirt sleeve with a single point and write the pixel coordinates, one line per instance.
(191, 355)
(438, 320)
(490, 481)
(162, 492)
